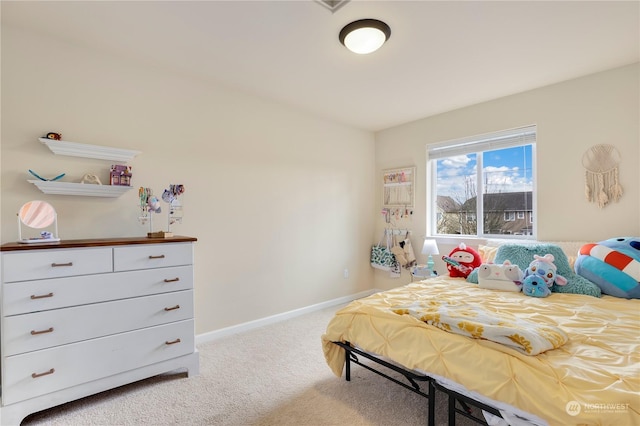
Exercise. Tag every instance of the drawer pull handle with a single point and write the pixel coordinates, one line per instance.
(62, 264)
(48, 330)
(172, 308)
(157, 257)
(173, 342)
(42, 296)
(46, 373)
(172, 280)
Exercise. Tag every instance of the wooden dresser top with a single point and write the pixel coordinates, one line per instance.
(95, 242)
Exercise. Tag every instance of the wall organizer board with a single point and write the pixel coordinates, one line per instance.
(398, 187)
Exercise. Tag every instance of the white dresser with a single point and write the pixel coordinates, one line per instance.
(82, 316)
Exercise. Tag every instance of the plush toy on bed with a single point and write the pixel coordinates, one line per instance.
(613, 265)
(506, 277)
(543, 267)
(462, 260)
(535, 286)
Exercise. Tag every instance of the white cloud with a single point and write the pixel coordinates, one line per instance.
(457, 161)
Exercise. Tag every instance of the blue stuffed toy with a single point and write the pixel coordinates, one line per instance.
(543, 267)
(613, 265)
(535, 286)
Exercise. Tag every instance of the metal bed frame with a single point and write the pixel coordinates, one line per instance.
(414, 381)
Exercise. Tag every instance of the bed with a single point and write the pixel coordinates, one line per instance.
(589, 374)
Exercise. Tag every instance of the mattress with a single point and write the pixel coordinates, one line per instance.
(591, 379)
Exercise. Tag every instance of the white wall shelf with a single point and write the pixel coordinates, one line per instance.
(99, 152)
(70, 188)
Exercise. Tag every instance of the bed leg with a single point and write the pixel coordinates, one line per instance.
(432, 404)
(347, 365)
(452, 410)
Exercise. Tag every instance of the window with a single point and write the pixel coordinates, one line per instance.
(500, 166)
(509, 216)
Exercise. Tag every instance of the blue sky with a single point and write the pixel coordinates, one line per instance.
(505, 170)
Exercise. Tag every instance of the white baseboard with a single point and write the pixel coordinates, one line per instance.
(234, 329)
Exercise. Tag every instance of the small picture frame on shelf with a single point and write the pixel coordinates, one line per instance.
(120, 175)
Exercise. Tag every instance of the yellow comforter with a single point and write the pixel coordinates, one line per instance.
(592, 379)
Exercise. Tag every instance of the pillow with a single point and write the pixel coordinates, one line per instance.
(613, 265)
(505, 277)
(487, 253)
(522, 255)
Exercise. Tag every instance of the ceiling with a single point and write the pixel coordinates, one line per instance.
(442, 55)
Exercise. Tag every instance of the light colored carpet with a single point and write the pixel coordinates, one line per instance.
(274, 375)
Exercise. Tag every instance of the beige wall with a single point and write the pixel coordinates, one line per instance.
(571, 117)
(279, 198)
(275, 196)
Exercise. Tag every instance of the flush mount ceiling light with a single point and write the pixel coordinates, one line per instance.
(365, 36)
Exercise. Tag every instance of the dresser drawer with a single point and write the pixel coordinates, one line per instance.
(40, 330)
(33, 296)
(42, 264)
(149, 256)
(69, 365)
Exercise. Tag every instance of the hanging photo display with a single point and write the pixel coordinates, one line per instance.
(398, 187)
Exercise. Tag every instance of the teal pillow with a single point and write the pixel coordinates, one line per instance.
(522, 255)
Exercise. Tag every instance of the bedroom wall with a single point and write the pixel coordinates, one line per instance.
(572, 116)
(275, 196)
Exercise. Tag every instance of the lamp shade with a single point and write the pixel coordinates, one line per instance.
(430, 247)
(365, 36)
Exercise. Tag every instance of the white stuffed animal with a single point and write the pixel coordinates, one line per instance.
(506, 277)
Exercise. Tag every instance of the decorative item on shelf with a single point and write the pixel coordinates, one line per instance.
(145, 196)
(54, 136)
(153, 204)
(92, 179)
(171, 196)
(38, 215)
(120, 175)
(60, 176)
(149, 204)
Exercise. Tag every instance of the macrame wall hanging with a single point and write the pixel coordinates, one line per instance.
(601, 182)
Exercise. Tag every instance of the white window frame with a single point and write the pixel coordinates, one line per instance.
(510, 138)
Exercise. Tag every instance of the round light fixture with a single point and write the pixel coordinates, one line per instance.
(365, 36)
